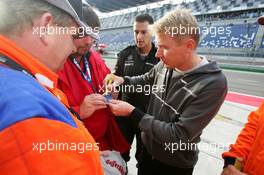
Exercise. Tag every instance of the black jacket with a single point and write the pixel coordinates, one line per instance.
(130, 63)
(178, 114)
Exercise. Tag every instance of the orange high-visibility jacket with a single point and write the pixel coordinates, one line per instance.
(250, 144)
(38, 135)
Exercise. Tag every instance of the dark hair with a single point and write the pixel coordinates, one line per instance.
(144, 18)
(90, 17)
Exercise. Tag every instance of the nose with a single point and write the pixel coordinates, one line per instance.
(159, 53)
(139, 36)
(88, 40)
(74, 48)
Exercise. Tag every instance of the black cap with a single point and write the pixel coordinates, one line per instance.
(74, 8)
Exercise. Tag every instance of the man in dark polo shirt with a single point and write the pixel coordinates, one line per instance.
(136, 60)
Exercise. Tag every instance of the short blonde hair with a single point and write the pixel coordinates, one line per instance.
(174, 21)
(18, 15)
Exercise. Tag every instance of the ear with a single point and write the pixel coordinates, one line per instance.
(190, 44)
(45, 23)
(151, 29)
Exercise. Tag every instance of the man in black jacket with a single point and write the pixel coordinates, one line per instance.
(189, 92)
(136, 60)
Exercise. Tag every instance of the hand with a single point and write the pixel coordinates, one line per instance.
(90, 104)
(111, 81)
(115, 95)
(120, 108)
(231, 170)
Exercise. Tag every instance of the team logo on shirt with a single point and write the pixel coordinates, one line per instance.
(130, 58)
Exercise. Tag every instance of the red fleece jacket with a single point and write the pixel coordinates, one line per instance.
(101, 124)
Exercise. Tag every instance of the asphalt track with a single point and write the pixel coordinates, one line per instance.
(245, 82)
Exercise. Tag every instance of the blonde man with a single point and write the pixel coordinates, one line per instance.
(188, 93)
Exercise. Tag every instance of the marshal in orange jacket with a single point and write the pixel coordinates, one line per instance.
(38, 135)
(250, 144)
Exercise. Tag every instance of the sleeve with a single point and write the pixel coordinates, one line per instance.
(246, 137)
(191, 122)
(147, 78)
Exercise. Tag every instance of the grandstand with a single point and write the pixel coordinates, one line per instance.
(239, 16)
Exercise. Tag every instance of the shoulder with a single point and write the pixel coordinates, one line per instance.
(67, 68)
(22, 97)
(214, 76)
(97, 61)
(219, 77)
(95, 56)
(125, 52)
